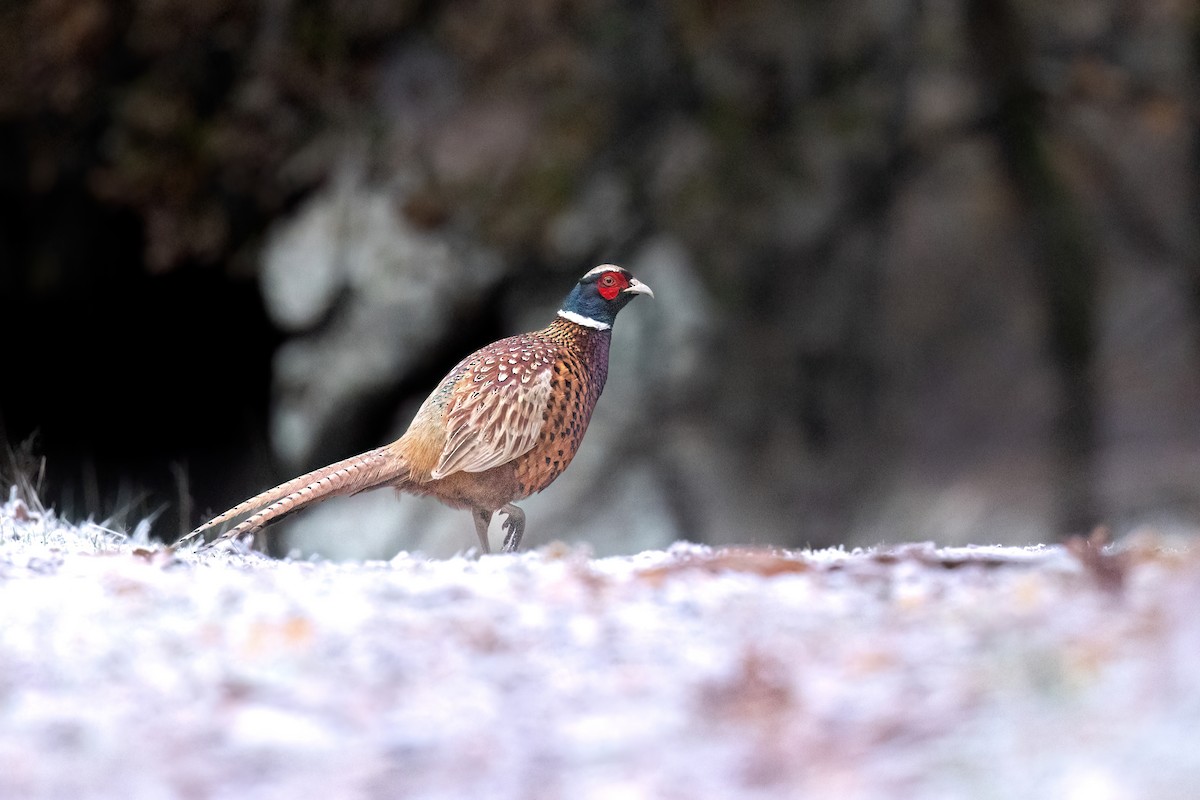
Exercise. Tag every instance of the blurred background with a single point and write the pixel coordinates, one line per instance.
(924, 270)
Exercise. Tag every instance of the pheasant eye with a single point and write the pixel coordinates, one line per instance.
(609, 288)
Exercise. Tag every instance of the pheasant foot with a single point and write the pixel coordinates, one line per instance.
(514, 523)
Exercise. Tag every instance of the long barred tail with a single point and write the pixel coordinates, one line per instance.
(367, 470)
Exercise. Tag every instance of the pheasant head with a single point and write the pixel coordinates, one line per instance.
(600, 294)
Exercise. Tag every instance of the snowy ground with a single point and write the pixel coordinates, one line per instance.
(128, 671)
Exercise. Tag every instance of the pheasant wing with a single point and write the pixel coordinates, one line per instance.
(497, 411)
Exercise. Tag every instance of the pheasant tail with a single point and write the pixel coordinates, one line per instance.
(374, 468)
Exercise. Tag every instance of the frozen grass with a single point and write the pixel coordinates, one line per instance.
(128, 671)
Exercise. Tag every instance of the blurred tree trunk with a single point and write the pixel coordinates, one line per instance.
(1069, 266)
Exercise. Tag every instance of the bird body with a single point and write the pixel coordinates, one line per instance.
(501, 426)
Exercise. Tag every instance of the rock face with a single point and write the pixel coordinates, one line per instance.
(923, 270)
(366, 297)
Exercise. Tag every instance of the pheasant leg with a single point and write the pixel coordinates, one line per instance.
(482, 518)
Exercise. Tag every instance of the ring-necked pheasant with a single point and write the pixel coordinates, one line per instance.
(501, 426)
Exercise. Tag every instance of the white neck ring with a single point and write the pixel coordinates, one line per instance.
(586, 322)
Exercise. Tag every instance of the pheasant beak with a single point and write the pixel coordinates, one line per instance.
(637, 287)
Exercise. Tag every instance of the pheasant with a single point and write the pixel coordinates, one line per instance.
(500, 427)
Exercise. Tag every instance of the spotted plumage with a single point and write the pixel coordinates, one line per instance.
(501, 426)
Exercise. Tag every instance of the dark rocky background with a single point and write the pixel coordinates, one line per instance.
(924, 270)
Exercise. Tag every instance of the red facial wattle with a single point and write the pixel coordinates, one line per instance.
(610, 284)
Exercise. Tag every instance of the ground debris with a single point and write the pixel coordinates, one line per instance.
(131, 670)
(1107, 567)
(758, 561)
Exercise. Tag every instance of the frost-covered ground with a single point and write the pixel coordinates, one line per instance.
(127, 671)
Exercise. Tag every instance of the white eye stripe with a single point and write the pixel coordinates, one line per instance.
(604, 268)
